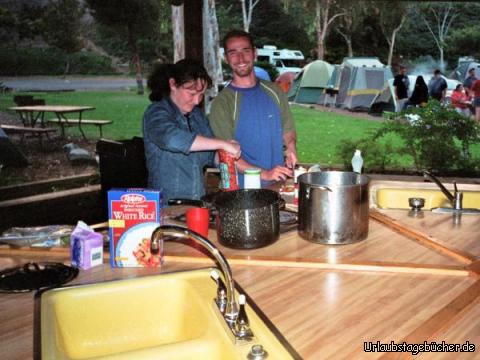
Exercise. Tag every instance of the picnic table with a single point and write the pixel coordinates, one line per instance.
(30, 115)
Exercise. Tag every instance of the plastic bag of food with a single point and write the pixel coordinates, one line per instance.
(39, 236)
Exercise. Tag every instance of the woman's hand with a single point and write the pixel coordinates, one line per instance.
(233, 147)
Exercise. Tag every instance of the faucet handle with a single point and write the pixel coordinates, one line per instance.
(221, 299)
(242, 324)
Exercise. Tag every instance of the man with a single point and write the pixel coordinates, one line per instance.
(255, 113)
(437, 86)
(401, 83)
(469, 81)
(476, 99)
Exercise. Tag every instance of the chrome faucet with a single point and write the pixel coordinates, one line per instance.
(231, 308)
(235, 319)
(455, 199)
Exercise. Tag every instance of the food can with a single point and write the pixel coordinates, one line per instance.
(252, 179)
(228, 171)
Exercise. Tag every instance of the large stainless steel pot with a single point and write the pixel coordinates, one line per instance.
(333, 207)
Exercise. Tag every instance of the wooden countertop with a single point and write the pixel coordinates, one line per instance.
(412, 279)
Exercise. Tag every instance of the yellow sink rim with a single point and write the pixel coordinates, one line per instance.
(394, 198)
(128, 329)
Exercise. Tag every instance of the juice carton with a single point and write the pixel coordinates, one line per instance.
(86, 247)
(133, 216)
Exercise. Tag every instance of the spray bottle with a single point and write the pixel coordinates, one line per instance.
(357, 161)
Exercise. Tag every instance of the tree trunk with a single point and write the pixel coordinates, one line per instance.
(67, 66)
(136, 62)
(319, 30)
(348, 41)
(442, 60)
(350, 48)
(246, 25)
(211, 53)
(138, 73)
(390, 50)
(178, 30)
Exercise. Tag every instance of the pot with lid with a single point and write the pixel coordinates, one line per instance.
(333, 207)
(245, 218)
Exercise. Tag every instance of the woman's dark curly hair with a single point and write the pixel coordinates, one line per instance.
(182, 72)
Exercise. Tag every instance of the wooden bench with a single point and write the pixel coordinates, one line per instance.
(22, 130)
(73, 122)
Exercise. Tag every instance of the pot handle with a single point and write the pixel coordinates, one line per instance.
(191, 202)
(281, 203)
(322, 188)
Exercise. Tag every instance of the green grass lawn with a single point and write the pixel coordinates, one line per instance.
(125, 108)
(318, 132)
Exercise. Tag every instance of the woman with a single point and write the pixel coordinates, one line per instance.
(177, 136)
(460, 100)
(420, 93)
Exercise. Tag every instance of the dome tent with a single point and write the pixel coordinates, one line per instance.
(310, 82)
(360, 80)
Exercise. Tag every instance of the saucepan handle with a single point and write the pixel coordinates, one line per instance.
(191, 202)
(321, 188)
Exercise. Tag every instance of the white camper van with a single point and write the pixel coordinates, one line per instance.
(283, 59)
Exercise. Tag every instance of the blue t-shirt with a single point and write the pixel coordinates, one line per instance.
(259, 129)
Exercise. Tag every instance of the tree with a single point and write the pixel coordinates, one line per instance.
(348, 24)
(178, 30)
(465, 41)
(134, 18)
(62, 27)
(247, 11)
(438, 18)
(273, 26)
(325, 14)
(211, 50)
(392, 16)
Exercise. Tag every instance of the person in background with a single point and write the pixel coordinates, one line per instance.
(460, 100)
(469, 81)
(437, 86)
(255, 113)
(178, 139)
(420, 93)
(476, 99)
(401, 83)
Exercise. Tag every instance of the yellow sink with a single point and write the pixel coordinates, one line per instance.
(170, 316)
(396, 198)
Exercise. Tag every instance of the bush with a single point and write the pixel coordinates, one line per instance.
(377, 155)
(89, 63)
(50, 61)
(436, 138)
(31, 61)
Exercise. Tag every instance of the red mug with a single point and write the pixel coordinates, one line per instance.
(198, 220)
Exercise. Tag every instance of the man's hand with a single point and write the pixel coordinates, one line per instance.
(290, 141)
(291, 158)
(276, 174)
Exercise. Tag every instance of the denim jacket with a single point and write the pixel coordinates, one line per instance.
(168, 136)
